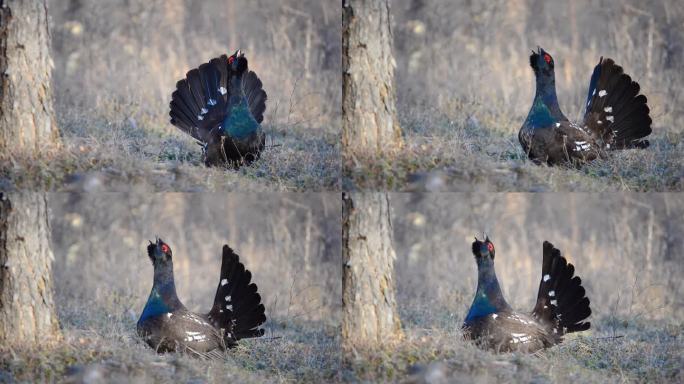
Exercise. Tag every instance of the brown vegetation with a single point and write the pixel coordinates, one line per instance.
(627, 248)
(102, 276)
(116, 64)
(464, 87)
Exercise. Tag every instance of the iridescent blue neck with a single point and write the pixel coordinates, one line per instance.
(488, 297)
(545, 110)
(155, 305)
(163, 297)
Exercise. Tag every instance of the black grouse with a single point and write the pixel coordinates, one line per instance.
(222, 104)
(616, 116)
(166, 325)
(560, 309)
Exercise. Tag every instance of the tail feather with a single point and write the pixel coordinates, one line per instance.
(181, 114)
(237, 306)
(616, 113)
(561, 302)
(255, 94)
(196, 88)
(198, 104)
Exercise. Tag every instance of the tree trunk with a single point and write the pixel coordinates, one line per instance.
(26, 116)
(369, 122)
(370, 316)
(27, 313)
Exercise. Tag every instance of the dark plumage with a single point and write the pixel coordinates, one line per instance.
(222, 105)
(560, 309)
(166, 325)
(616, 116)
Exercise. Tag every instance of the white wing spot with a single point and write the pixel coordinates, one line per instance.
(200, 117)
(494, 315)
(212, 102)
(520, 338)
(610, 118)
(222, 90)
(554, 302)
(607, 146)
(227, 298)
(580, 146)
(602, 93)
(557, 124)
(169, 315)
(608, 109)
(224, 282)
(229, 307)
(552, 293)
(600, 122)
(204, 111)
(593, 93)
(546, 277)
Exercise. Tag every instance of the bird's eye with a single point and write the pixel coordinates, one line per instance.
(547, 58)
(490, 247)
(165, 248)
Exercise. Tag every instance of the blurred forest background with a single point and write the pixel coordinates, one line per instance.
(464, 88)
(116, 64)
(102, 276)
(628, 250)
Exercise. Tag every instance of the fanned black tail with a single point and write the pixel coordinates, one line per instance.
(255, 95)
(198, 104)
(237, 307)
(616, 113)
(561, 301)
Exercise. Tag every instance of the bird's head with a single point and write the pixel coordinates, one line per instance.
(159, 252)
(238, 62)
(483, 250)
(542, 63)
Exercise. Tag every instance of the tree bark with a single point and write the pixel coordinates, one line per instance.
(27, 312)
(26, 114)
(370, 316)
(369, 122)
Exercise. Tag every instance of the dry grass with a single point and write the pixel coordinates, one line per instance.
(627, 248)
(116, 65)
(102, 277)
(459, 153)
(125, 155)
(464, 87)
(644, 353)
(102, 347)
